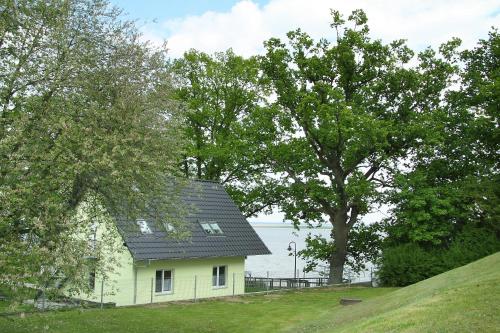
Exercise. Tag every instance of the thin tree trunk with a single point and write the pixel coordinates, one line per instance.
(198, 167)
(186, 166)
(199, 141)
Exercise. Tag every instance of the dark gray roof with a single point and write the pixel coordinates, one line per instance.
(208, 201)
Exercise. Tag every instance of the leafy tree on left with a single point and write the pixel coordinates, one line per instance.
(86, 120)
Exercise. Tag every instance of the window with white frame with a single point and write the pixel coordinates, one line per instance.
(219, 276)
(211, 228)
(164, 281)
(215, 228)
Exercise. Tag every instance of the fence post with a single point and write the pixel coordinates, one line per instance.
(102, 292)
(195, 288)
(234, 278)
(43, 298)
(151, 290)
(268, 282)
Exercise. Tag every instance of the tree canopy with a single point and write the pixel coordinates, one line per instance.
(453, 184)
(454, 179)
(346, 114)
(219, 93)
(85, 116)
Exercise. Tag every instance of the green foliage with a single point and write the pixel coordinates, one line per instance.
(363, 247)
(470, 244)
(446, 203)
(85, 116)
(430, 211)
(409, 263)
(219, 92)
(346, 114)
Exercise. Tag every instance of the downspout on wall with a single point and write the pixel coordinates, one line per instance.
(135, 285)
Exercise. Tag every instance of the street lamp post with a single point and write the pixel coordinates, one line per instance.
(295, 255)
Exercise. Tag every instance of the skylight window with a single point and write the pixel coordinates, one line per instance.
(211, 228)
(206, 228)
(216, 229)
(143, 225)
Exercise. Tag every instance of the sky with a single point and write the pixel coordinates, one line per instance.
(217, 25)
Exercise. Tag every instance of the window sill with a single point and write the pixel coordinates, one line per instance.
(164, 293)
(219, 287)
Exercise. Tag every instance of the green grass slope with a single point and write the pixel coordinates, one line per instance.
(466, 299)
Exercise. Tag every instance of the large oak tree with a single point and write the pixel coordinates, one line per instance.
(346, 114)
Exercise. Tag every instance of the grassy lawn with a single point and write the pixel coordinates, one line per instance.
(466, 299)
(252, 313)
(6, 307)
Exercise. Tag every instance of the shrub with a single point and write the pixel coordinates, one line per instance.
(409, 263)
(405, 264)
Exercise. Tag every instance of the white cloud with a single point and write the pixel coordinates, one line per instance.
(247, 25)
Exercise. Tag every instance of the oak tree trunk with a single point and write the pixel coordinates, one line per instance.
(338, 257)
